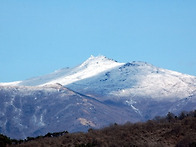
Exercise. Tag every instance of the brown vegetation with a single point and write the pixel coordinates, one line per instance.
(168, 131)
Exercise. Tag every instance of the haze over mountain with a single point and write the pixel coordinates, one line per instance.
(96, 93)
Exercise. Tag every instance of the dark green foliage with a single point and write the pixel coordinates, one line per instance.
(182, 115)
(170, 116)
(194, 113)
(48, 135)
(4, 140)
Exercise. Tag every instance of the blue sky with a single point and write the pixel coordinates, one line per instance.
(40, 36)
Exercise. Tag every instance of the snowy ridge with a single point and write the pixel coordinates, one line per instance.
(91, 67)
(10, 83)
(100, 75)
(138, 79)
(157, 82)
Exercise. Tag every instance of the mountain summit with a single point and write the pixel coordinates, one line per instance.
(102, 75)
(93, 94)
(89, 68)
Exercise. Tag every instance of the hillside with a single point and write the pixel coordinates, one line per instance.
(32, 111)
(161, 131)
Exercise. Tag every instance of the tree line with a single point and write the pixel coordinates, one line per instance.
(169, 118)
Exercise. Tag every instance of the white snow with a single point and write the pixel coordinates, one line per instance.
(91, 67)
(168, 84)
(10, 83)
(104, 76)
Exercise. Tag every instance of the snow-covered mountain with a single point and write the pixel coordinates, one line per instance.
(120, 79)
(100, 75)
(98, 92)
(90, 68)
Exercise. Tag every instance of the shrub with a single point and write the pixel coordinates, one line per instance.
(4, 140)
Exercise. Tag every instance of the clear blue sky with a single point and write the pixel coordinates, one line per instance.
(40, 36)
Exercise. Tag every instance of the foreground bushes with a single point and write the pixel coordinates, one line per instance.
(4, 140)
(162, 131)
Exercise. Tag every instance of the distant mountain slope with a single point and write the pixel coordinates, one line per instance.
(95, 93)
(33, 111)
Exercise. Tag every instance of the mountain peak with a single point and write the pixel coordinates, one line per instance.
(100, 59)
(89, 68)
(97, 57)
